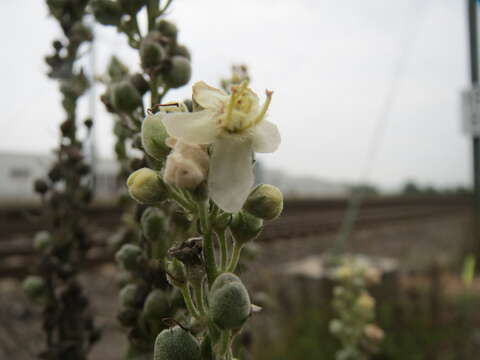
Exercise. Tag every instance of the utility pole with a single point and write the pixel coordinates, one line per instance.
(473, 42)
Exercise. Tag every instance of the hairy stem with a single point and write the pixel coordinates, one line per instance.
(237, 250)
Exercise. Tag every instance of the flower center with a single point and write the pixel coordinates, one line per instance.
(242, 112)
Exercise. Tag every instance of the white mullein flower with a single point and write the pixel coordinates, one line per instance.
(235, 124)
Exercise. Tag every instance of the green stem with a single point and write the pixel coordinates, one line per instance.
(189, 302)
(208, 251)
(198, 293)
(180, 199)
(224, 344)
(223, 249)
(237, 250)
(154, 97)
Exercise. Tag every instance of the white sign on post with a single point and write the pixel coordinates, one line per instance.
(471, 111)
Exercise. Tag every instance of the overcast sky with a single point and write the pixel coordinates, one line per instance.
(330, 63)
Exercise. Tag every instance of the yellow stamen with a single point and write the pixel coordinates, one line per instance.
(236, 92)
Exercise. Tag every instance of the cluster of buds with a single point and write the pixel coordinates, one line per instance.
(195, 177)
(66, 193)
(355, 307)
(150, 226)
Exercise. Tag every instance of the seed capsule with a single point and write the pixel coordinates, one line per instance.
(176, 344)
(230, 304)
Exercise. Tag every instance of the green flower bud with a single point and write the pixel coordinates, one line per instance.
(146, 187)
(176, 273)
(229, 302)
(182, 50)
(167, 28)
(156, 305)
(132, 295)
(116, 69)
(130, 257)
(42, 240)
(140, 83)
(154, 227)
(177, 72)
(151, 54)
(176, 344)
(154, 135)
(106, 12)
(245, 227)
(125, 97)
(131, 6)
(128, 316)
(265, 202)
(153, 223)
(35, 288)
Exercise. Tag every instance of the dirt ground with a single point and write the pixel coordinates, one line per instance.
(415, 244)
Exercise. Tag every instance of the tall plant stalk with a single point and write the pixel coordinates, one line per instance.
(66, 194)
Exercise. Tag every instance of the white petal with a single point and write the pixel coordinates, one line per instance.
(266, 137)
(209, 97)
(230, 177)
(193, 128)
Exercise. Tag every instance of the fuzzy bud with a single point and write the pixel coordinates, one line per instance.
(42, 240)
(176, 273)
(151, 54)
(176, 344)
(245, 227)
(177, 72)
(182, 50)
(153, 223)
(125, 97)
(106, 12)
(154, 136)
(265, 202)
(131, 6)
(187, 165)
(167, 28)
(117, 70)
(132, 295)
(130, 257)
(35, 288)
(140, 83)
(128, 316)
(146, 187)
(229, 302)
(156, 305)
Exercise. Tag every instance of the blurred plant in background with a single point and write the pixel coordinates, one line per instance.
(355, 308)
(66, 193)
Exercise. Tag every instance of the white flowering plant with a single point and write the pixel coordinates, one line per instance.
(206, 173)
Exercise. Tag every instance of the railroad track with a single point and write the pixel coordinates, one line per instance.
(301, 218)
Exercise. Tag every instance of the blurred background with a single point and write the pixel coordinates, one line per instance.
(367, 96)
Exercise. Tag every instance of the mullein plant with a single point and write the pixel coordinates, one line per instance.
(354, 325)
(146, 297)
(208, 158)
(66, 193)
